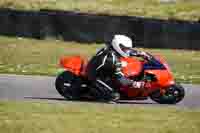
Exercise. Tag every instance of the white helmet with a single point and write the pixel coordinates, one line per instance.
(120, 42)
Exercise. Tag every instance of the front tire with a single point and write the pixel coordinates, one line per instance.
(174, 94)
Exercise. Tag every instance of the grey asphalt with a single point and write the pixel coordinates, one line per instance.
(18, 87)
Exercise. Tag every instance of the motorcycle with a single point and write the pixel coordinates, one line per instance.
(72, 82)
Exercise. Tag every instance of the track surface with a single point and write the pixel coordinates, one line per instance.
(13, 87)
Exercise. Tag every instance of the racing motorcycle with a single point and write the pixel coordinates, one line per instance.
(72, 82)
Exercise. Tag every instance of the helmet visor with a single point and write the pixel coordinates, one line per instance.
(126, 50)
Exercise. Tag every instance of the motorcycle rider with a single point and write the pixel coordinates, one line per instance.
(106, 66)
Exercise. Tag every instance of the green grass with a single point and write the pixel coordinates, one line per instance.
(41, 57)
(182, 9)
(40, 117)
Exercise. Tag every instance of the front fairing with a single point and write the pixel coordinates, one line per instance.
(160, 68)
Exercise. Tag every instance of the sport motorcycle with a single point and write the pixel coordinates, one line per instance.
(73, 84)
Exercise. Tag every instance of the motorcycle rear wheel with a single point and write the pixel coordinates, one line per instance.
(174, 94)
(68, 85)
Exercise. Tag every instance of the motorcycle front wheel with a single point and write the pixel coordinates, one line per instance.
(174, 94)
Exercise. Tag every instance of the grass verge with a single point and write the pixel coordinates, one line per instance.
(40, 57)
(20, 117)
(181, 9)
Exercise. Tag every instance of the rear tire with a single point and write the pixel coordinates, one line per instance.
(174, 94)
(68, 85)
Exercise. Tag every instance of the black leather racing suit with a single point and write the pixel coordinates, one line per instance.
(103, 68)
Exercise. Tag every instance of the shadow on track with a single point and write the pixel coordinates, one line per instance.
(92, 101)
(45, 98)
